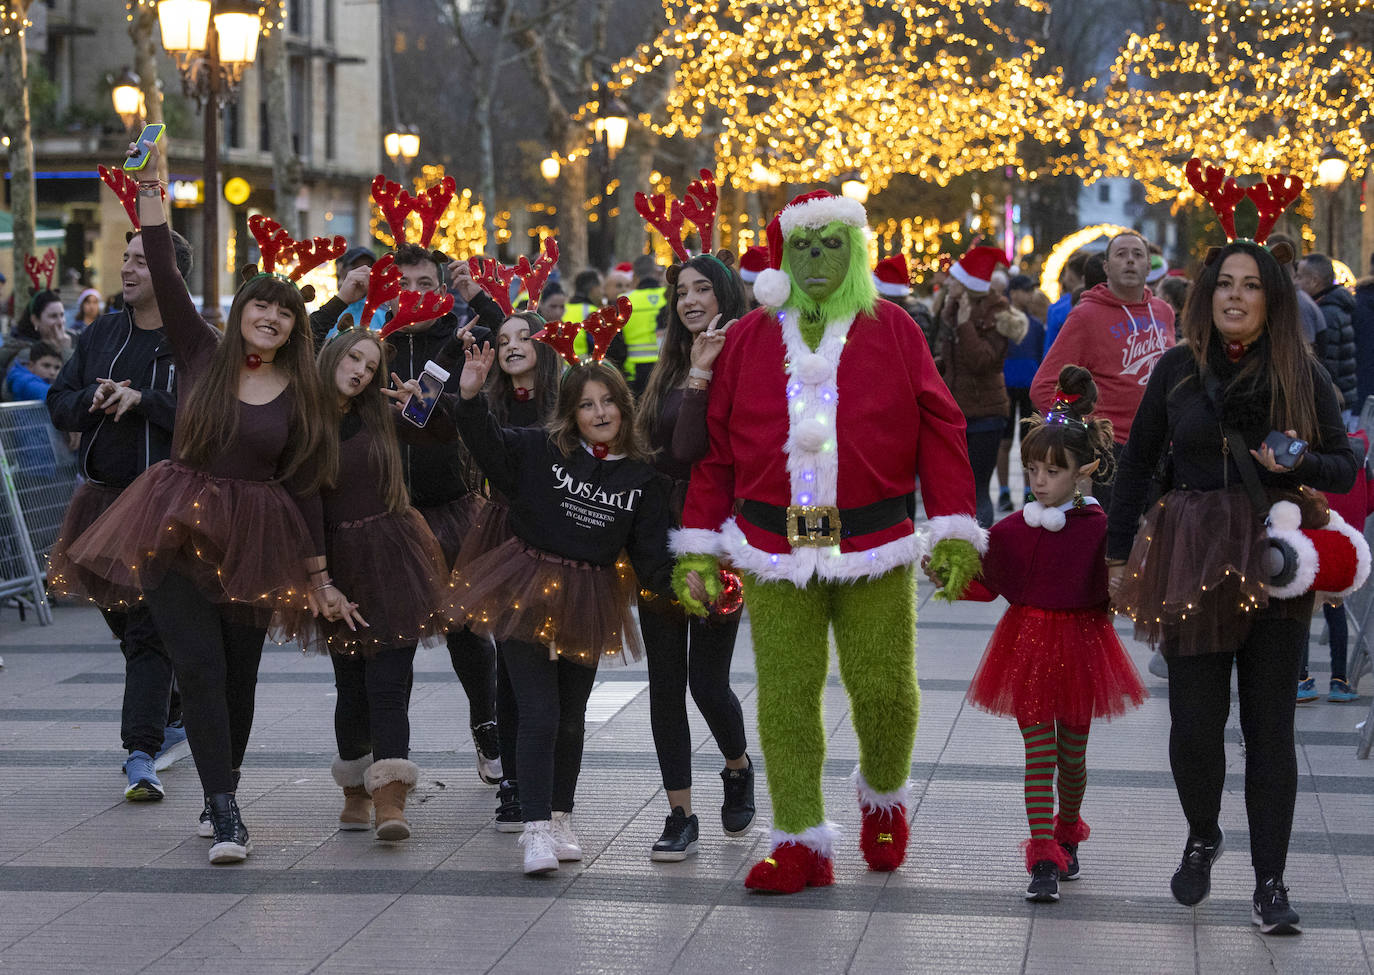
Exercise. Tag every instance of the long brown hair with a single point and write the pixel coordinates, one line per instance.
(501, 391)
(675, 356)
(372, 408)
(563, 427)
(209, 418)
(1284, 363)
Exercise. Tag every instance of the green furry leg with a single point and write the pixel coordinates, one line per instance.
(790, 629)
(875, 636)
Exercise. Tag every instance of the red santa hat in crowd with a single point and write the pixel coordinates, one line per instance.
(815, 209)
(974, 269)
(891, 277)
(754, 261)
(624, 267)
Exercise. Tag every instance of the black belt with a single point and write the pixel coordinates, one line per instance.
(824, 524)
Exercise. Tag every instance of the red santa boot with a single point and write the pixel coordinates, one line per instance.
(884, 833)
(798, 860)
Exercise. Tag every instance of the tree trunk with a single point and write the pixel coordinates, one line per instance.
(632, 165)
(572, 221)
(14, 120)
(486, 155)
(142, 31)
(286, 164)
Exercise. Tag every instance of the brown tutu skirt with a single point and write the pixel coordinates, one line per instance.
(581, 611)
(391, 566)
(450, 522)
(1193, 581)
(88, 503)
(490, 528)
(242, 543)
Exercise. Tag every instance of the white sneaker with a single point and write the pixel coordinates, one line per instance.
(537, 839)
(565, 845)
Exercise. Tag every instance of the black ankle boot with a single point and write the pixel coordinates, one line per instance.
(508, 807)
(737, 811)
(231, 836)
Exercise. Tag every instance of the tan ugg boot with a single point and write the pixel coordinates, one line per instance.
(389, 780)
(357, 809)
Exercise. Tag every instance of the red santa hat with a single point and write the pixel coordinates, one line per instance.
(974, 269)
(1334, 559)
(892, 278)
(624, 267)
(755, 260)
(815, 209)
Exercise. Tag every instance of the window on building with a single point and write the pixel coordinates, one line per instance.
(233, 126)
(299, 75)
(329, 21)
(298, 17)
(1137, 193)
(1104, 193)
(331, 109)
(264, 137)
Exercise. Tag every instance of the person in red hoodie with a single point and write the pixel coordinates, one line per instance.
(1117, 331)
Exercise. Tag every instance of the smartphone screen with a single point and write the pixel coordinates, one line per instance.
(419, 408)
(151, 133)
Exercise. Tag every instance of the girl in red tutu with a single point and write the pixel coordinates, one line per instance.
(1054, 662)
(383, 553)
(229, 531)
(558, 593)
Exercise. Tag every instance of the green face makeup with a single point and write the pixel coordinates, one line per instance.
(818, 260)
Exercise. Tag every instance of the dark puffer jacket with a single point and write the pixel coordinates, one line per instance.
(1335, 345)
(973, 351)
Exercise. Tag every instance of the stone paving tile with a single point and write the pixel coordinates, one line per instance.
(764, 939)
(598, 936)
(24, 912)
(1059, 944)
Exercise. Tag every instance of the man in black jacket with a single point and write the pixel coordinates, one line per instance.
(1335, 344)
(441, 478)
(118, 390)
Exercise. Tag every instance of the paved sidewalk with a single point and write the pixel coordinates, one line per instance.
(89, 882)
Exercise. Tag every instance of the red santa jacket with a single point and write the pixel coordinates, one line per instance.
(1064, 569)
(848, 425)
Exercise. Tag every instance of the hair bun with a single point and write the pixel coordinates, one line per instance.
(1076, 383)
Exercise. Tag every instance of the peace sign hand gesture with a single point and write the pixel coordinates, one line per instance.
(708, 343)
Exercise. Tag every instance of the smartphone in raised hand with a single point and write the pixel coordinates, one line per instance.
(149, 137)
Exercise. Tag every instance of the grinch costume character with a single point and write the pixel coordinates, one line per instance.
(824, 407)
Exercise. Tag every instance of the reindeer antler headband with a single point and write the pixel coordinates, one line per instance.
(277, 246)
(601, 326)
(698, 207)
(1271, 197)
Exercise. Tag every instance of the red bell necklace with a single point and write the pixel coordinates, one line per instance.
(1235, 350)
(600, 451)
(522, 395)
(253, 360)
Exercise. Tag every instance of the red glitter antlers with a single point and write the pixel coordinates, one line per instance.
(383, 284)
(416, 306)
(34, 266)
(699, 206)
(126, 188)
(601, 325)
(534, 276)
(667, 216)
(1271, 197)
(494, 278)
(274, 243)
(396, 204)
(311, 253)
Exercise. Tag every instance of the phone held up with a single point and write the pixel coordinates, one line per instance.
(1287, 450)
(149, 137)
(418, 409)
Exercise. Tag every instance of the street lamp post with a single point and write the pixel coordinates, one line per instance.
(213, 41)
(609, 130)
(1332, 169)
(402, 146)
(127, 95)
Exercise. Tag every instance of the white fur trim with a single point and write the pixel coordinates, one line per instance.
(812, 446)
(957, 272)
(349, 772)
(772, 287)
(1362, 558)
(389, 770)
(870, 800)
(694, 541)
(803, 564)
(1285, 516)
(955, 526)
(1038, 516)
(820, 838)
(891, 290)
(748, 276)
(1306, 555)
(818, 213)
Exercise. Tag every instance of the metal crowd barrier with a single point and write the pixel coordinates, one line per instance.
(40, 475)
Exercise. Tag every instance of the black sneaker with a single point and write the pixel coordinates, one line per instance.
(231, 836)
(488, 752)
(1270, 908)
(1004, 505)
(679, 839)
(1192, 881)
(737, 811)
(1071, 872)
(205, 828)
(508, 808)
(1044, 882)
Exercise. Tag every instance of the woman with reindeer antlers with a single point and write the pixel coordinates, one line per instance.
(706, 296)
(251, 447)
(558, 594)
(1201, 581)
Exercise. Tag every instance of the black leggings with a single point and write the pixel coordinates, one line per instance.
(151, 701)
(1199, 705)
(552, 698)
(507, 719)
(216, 663)
(474, 661)
(370, 712)
(982, 457)
(1338, 631)
(706, 670)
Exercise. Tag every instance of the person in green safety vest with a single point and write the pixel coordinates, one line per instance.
(641, 331)
(587, 298)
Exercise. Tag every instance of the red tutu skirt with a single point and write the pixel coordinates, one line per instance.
(88, 503)
(450, 522)
(1056, 665)
(489, 529)
(391, 566)
(242, 543)
(580, 611)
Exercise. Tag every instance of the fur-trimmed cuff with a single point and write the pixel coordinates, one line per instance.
(1037, 850)
(392, 770)
(1362, 556)
(821, 839)
(882, 801)
(694, 541)
(1071, 833)
(956, 526)
(350, 772)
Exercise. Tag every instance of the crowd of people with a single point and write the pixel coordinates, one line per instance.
(756, 433)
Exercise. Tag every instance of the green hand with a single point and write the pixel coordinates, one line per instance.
(706, 566)
(956, 561)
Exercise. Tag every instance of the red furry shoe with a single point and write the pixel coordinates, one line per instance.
(791, 868)
(883, 837)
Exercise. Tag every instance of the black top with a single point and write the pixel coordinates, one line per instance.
(576, 507)
(1176, 408)
(112, 347)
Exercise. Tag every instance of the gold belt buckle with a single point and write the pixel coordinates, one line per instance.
(813, 524)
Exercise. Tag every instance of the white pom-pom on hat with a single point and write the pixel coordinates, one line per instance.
(1285, 516)
(772, 287)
